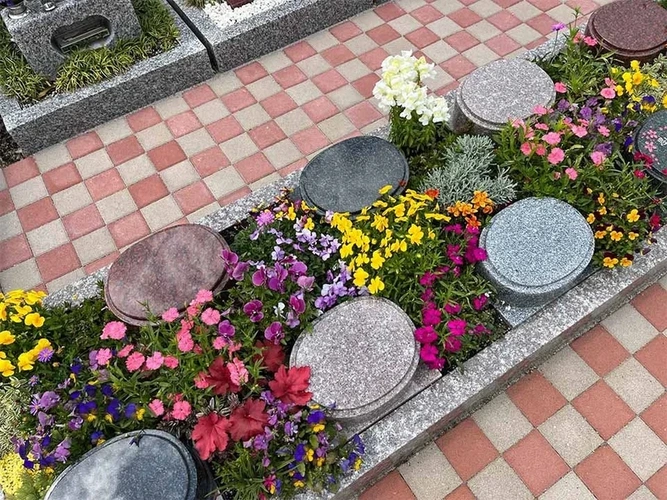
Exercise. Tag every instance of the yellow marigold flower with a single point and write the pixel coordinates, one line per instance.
(376, 285)
(310, 225)
(603, 211)
(415, 234)
(6, 337)
(360, 277)
(616, 236)
(600, 234)
(591, 218)
(633, 216)
(26, 361)
(377, 260)
(6, 366)
(625, 262)
(634, 65)
(632, 236)
(609, 262)
(385, 189)
(380, 222)
(34, 319)
(481, 199)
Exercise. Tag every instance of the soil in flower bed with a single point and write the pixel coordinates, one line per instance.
(9, 150)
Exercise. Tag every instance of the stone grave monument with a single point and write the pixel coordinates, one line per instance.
(48, 32)
(651, 140)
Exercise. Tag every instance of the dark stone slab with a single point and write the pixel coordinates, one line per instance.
(165, 270)
(651, 139)
(633, 29)
(146, 465)
(347, 176)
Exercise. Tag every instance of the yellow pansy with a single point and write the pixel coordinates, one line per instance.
(380, 222)
(415, 234)
(6, 337)
(140, 414)
(385, 189)
(376, 285)
(91, 417)
(22, 310)
(357, 464)
(299, 484)
(361, 259)
(377, 260)
(346, 250)
(633, 216)
(318, 427)
(438, 217)
(291, 213)
(360, 277)
(310, 225)
(33, 297)
(625, 262)
(600, 234)
(108, 418)
(634, 65)
(399, 210)
(609, 262)
(602, 211)
(431, 234)
(591, 218)
(3, 311)
(664, 101)
(310, 454)
(632, 236)
(6, 367)
(319, 462)
(26, 361)
(34, 319)
(616, 236)
(42, 344)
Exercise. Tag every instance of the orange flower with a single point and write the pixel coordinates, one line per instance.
(432, 193)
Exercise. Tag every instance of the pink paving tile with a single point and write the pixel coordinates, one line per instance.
(250, 73)
(600, 350)
(462, 41)
(461, 493)
(148, 190)
(383, 34)
(506, 3)
(183, 123)
(237, 100)
(278, 104)
(58, 262)
(657, 483)
(293, 167)
(542, 23)
(100, 263)
(344, 31)
(267, 134)
(289, 76)
(83, 145)
(536, 397)
(362, 114)
(652, 304)
(199, 95)
(337, 55)
(389, 11)
(655, 417)
(603, 409)
(426, 14)
(14, 251)
(606, 475)
(299, 51)
(37, 214)
(373, 58)
(504, 20)
(193, 197)
(585, 6)
(254, 167)
(320, 109)
(458, 66)
(224, 129)
(536, 43)
(129, 229)
(422, 37)
(390, 487)
(310, 140)
(447, 88)
(124, 150)
(143, 119)
(329, 81)
(465, 17)
(536, 462)
(467, 448)
(61, 178)
(21, 171)
(166, 155)
(82, 222)
(6, 203)
(105, 184)
(365, 85)
(653, 356)
(502, 44)
(236, 195)
(209, 161)
(545, 5)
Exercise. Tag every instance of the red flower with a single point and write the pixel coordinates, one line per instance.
(654, 221)
(219, 379)
(290, 385)
(248, 420)
(210, 434)
(432, 193)
(272, 355)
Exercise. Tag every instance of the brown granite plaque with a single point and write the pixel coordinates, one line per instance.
(165, 270)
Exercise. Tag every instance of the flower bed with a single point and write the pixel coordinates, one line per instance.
(217, 375)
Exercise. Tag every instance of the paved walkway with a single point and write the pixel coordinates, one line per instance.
(591, 422)
(70, 209)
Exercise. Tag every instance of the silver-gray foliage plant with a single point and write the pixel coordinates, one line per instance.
(468, 166)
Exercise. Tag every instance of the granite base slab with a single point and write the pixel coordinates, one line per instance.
(62, 116)
(251, 38)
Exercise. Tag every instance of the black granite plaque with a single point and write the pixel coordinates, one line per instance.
(651, 140)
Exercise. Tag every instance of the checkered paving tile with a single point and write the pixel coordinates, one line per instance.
(589, 423)
(70, 209)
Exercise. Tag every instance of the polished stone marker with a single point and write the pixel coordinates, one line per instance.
(502, 91)
(537, 248)
(651, 139)
(362, 355)
(633, 29)
(347, 176)
(165, 270)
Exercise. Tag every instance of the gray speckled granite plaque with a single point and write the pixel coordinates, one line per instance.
(501, 91)
(158, 467)
(347, 176)
(537, 249)
(362, 354)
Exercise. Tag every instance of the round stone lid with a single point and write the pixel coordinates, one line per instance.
(347, 176)
(361, 354)
(537, 242)
(165, 270)
(504, 90)
(631, 27)
(146, 465)
(651, 139)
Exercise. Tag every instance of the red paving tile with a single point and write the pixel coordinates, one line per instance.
(143, 119)
(278, 104)
(166, 155)
(461, 493)
(655, 417)
(6, 203)
(502, 44)
(199, 95)
(504, 20)
(14, 251)
(329, 81)
(652, 304)
(545, 5)
(183, 123)
(209, 161)
(345, 31)
(100, 263)
(465, 17)
(366, 84)
(657, 483)
(236, 195)
(585, 6)
(105, 184)
(390, 487)
(422, 37)
(84, 144)
(462, 41)
(536, 397)
(458, 66)
(603, 409)
(506, 3)
(82, 222)
(320, 109)
(293, 167)
(606, 475)
(310, 140)
(654, 358)
(21, 171)
(536, 462)
(224, 129)
(37, 214)
(58, 262)
(373, 58)
(362, 114)
(542, 23)
(289, 76)
(237, 100)
(250, 73)
(129, 229)
(426, 14)
(267, 134)
(338, 54)
(61, 178)
(193, 197)
(148, 190)
(299, 51)
(124, 150)
(383, 34)
(254, 167)
(600, 350)
(389, 11)
(467, 448)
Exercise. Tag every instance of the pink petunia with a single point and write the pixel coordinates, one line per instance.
(203, 296)
(556, 156)
(170, 315)
(552, 138)
(608, 93)
(560, 87)
(210, 317)
(579, 131)
(170, 362)
(154, 361)
(540, 150)
(134, 361)
(598, 157)
(125, 351)
(604, 131)
(104, 356)
(590, 41)
(571, 173)
(156, 407)
(181, 410)
(114, 330)
(526, 148)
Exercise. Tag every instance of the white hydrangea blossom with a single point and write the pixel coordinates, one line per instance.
(401, 85)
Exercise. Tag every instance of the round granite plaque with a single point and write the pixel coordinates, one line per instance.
(537, 249)
(347, 176)
(651, 139)
(502, 91)
(633, 29)
(146, 465)
(165, 270)
(361, 354)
